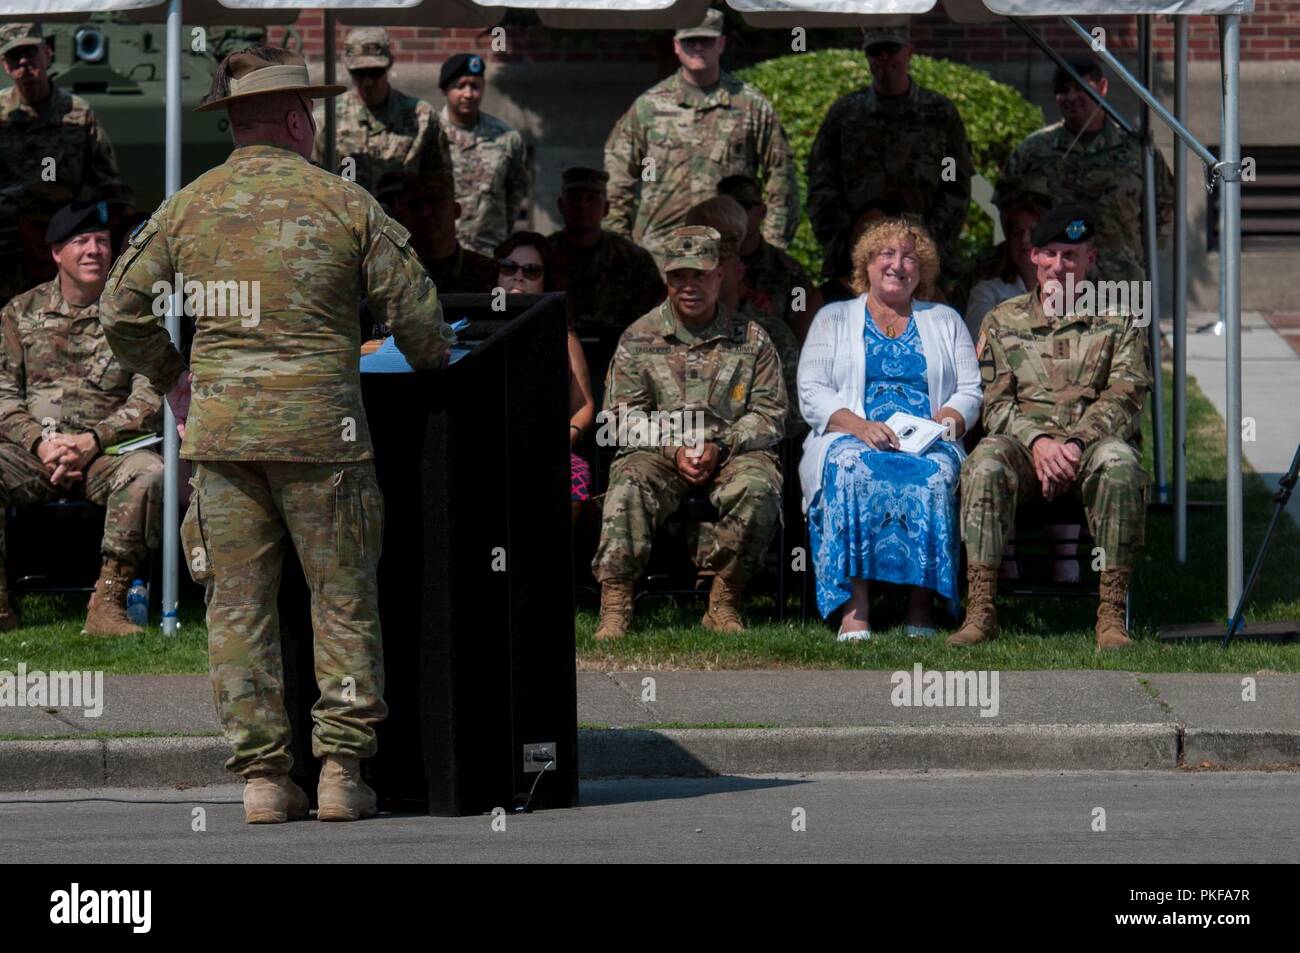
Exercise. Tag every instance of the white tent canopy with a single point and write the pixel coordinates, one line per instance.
(669, 14)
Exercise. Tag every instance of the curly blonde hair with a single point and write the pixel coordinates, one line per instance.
(893, 232)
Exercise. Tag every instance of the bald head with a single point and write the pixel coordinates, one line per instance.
(282, 119)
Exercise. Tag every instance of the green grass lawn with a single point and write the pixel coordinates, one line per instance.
(1036, 633)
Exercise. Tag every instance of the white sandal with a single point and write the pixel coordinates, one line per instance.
(859, 635)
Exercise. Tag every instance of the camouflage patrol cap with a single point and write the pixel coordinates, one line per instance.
(711, 25)
(14, 35)
(76, 219)
(743, 188)
(1019, 189)
(1066, 225)
(367, 47)
(880, 35)
(583, 177)
(692, 246)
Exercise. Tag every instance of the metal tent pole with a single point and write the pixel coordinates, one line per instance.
(328, 156)
(1061, 62)
(171, 441)
(1152, 248)
(1230, 256)
(1180, 295)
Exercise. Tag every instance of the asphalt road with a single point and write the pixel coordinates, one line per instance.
(1150, 817)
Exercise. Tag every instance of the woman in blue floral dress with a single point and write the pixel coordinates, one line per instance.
(876, 512)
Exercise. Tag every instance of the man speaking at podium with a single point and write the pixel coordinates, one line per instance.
(278, 429)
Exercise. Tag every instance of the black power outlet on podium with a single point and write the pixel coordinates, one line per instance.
(475, 581)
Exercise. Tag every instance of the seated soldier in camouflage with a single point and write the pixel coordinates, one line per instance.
(64, 398)
(728, 218)
(1064, 385)
(693, 398)
(427, 206)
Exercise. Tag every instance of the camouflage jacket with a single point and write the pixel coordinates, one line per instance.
(64, 129)
(696, 138)
(403, 135)
(57, 372)
(491, 179)
(284, 383)
(608, 283)
(871, 147)
(1069, 377)
(729, 372)
(779, 332)
(1102, 172)
(464, 272)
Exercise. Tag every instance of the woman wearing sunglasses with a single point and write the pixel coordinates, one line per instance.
(526, 267)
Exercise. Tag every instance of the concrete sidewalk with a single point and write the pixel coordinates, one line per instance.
(694, 723)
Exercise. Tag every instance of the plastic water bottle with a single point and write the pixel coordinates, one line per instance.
(137, 604)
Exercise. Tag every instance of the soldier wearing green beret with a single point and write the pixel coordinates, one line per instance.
(693, 398)
(1064, 384)
(277, 428)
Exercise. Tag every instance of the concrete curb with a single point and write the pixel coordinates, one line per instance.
(686, 752)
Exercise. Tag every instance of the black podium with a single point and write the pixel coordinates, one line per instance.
(475, 581)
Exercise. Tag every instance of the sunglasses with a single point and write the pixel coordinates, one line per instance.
(373, 73)
(509, 266)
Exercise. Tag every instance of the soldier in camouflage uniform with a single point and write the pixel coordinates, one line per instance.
(426, 206)
(893, 139)
(487, 154)
(38, 123)
(606, 277)
(682, 136)
(725, 215)
(1090, 161)
(775, 284)
(378, 127)
(1063, 395)
(277, 427)
(64, 400)
(691, 355)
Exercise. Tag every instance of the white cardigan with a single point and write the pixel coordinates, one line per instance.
(833, 371)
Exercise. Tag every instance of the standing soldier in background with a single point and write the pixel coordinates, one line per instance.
(774, 282)
(691, 355)
(278, 427)
(682, 136)
(1063, 395)
(894, 138)
(46, 134)
(379, 128)
(608, 280)
(64, 401)
(1090, 161)
(487, 157)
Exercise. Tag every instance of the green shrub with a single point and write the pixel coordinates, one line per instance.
(802, 87)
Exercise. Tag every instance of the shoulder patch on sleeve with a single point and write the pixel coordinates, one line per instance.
(396, 232)
(143, 233)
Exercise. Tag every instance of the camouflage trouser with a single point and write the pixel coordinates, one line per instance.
(129, 487)
(239, 519)
(645, 489)
(999, 475)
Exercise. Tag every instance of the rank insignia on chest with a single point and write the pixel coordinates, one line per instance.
(1061, 348)
(738, 393)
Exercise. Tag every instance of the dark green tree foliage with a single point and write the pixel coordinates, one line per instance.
(802, 86)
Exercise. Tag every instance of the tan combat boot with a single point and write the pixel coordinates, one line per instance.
(981, 615)
(1111, 633)
(274, 799)
(341, 795)
(724, 607)
(615, 609)
(107, 615)
(8, 618)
